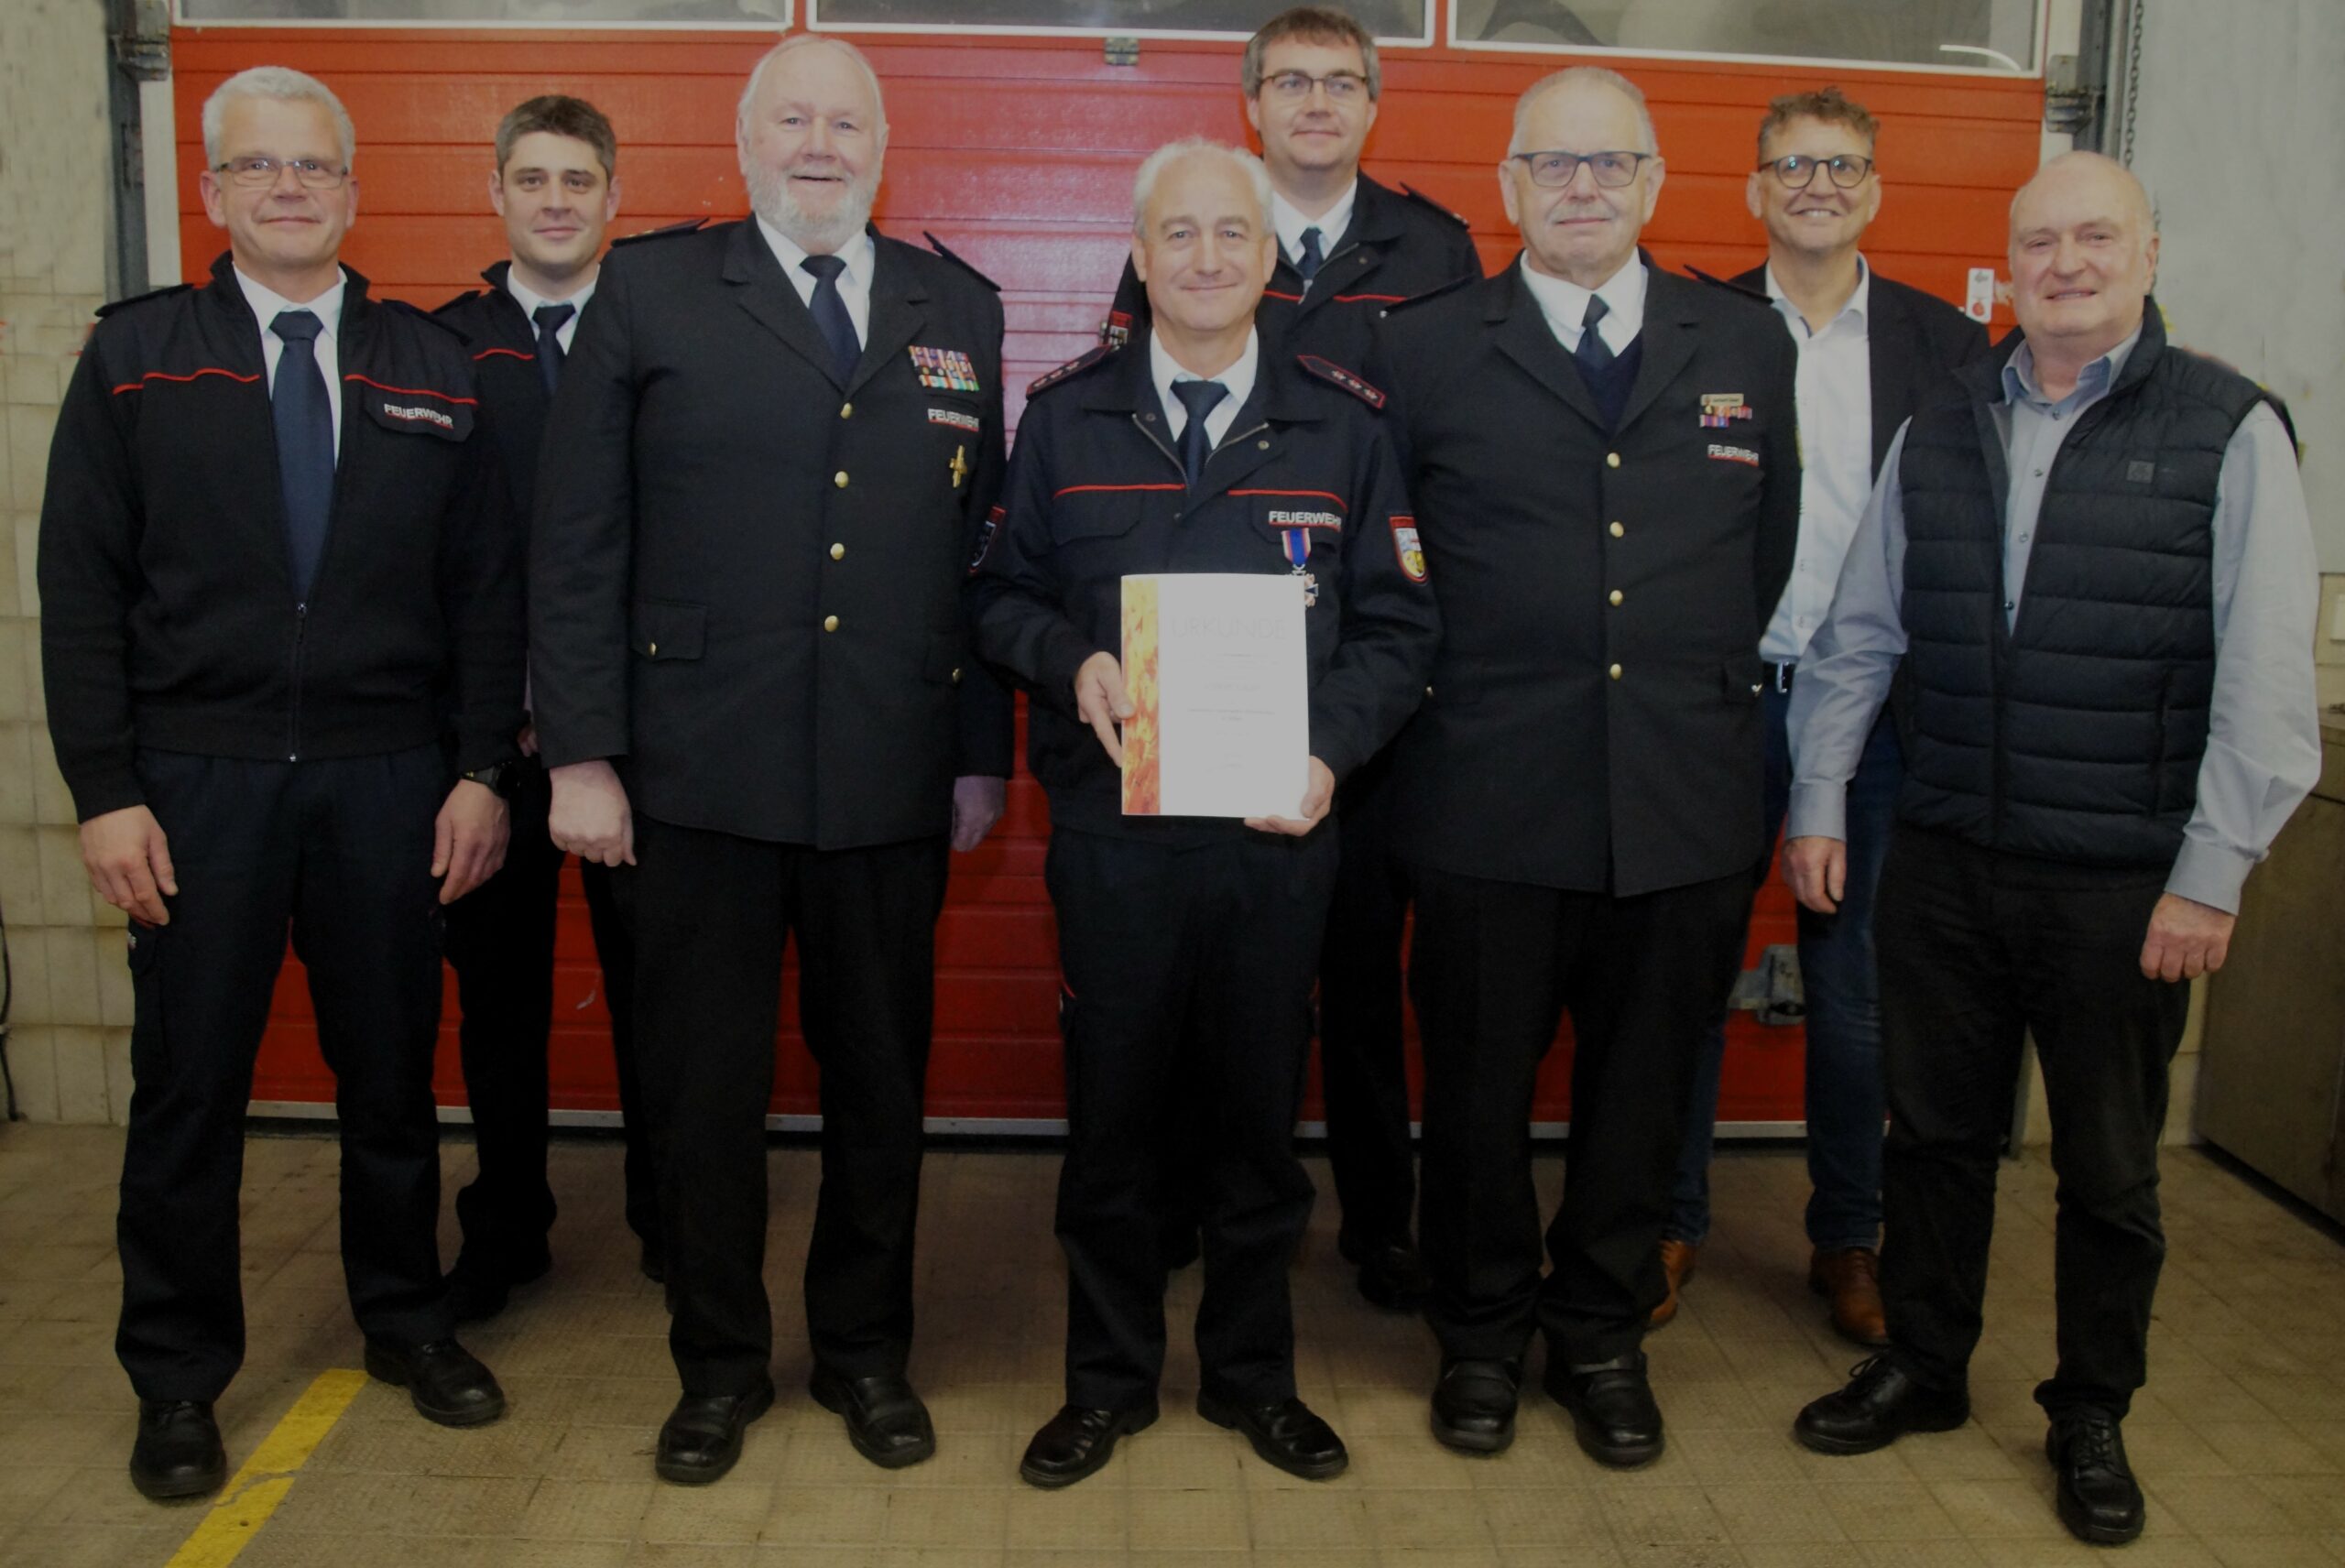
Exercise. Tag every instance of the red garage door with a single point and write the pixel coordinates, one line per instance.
(1018, 153)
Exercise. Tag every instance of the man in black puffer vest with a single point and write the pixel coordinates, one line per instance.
(2092, 767)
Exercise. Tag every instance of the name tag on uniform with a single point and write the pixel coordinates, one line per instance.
(1734, 455)
(944, 369)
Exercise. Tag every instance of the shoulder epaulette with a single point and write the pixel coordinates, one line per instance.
(421, 314)
(1745, 291)
(112, 306)
(1067, 372)
(1436, 292)
(1334, 375)
(688, 226)
(958, 260)
(1421, 199)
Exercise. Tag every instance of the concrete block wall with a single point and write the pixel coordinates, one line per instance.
(68, 1041)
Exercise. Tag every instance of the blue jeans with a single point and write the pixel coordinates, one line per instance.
(1845, 1104)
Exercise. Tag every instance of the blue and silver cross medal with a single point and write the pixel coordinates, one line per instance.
(1298, 551)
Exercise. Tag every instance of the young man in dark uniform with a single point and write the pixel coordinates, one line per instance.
(1348, 249)
(556, 186)
(282, 632)
(1188, 944)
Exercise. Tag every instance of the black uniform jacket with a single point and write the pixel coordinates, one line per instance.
(744, 577)
(168, 612)
(1595, 716)
(1096, 490)
(1397, 247)
(504, 349)
(1914, 340)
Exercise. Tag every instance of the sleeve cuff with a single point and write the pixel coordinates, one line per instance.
(1819, 810)
(111, 791)
(2209, 874)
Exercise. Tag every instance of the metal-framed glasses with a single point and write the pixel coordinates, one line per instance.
(1797, 171)
(263, 170)
(1556, 169)
(1294, 86)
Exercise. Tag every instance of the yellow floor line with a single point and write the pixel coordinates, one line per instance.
(254, 1490)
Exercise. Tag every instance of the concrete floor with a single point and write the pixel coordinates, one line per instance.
(2239, 1439)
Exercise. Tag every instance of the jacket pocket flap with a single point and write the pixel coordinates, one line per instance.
(662, 629)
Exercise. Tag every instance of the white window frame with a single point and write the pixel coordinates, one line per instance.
(443, 25)
(1606, 53)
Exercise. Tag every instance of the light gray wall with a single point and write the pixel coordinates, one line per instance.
(2240, 131)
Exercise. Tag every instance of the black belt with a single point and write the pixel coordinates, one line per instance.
(1782, 674)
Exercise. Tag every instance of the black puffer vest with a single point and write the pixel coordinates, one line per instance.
(2076, 734)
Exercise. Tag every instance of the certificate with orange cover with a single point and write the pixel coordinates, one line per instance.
(1218, 672)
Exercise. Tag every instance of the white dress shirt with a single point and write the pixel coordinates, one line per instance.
(530, 299)
(1164, 370)
(1290, 222)
(1835, 400)
(1565, 305)
(327, 307)
(855, 283)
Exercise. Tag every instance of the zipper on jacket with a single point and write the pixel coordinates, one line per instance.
(293, 707)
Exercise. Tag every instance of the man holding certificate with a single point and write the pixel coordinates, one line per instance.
(1207, 577)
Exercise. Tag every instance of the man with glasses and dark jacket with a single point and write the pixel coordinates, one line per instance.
(1870, 350)
(281, 633)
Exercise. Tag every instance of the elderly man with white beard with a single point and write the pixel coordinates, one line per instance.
(776, 444)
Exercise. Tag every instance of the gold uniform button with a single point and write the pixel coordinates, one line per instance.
(839, 479)
(1619, 532)
(1615, 672)
(847, 410)
(654, 651)
(1611, 460)
(838, 553)
(831, 624)
(956, 677)
(1616, 595)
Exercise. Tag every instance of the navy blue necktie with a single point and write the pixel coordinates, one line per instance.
(1595, 355)
(1312, 260)
(551, 319)
(831, 315)
(304, 420)
(1198, 398)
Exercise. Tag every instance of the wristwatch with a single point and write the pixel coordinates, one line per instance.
(499, 777)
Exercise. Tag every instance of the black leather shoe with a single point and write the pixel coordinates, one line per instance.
(478, 1288)
(1284, 1433)
(1613, 1413)
(1393, 1276)
(701, 1439)
(2099, 1499)
(1879, 1405)
(1473, 1405)
(885, 1420)
(1077, 1441)
(178, 1453)
(654, 1262)
(446, 1382)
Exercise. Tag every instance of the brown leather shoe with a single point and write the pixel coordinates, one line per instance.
(1677, 1260)
(1850, 1277)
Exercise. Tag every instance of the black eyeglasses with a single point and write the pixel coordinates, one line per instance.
(1556, 169)
(1797, 171)
(264, 172)
(1294, 86)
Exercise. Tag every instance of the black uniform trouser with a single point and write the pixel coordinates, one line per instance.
(712, 913)
(339, 852)
(1363, 1070)
(1978, 949)
(1184, 964)
(500, 943)
(1494, 968)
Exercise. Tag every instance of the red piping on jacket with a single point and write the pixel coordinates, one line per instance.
(409, 391)
(165, 375)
